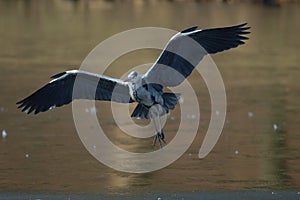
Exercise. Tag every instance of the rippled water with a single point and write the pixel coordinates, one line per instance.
(258, 148)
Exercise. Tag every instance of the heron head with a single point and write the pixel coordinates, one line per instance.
(132, 76)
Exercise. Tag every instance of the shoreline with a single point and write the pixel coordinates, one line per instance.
(190, 195)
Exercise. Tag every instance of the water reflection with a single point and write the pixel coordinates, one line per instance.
(41, 38)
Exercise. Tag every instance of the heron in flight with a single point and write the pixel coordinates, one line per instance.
(180, 56)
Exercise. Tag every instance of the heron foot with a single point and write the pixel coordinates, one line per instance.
(160, 136)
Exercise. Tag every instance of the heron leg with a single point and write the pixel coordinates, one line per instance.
(155, 117)
(159, 133)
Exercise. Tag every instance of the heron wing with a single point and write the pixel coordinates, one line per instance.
(61, 91)
(186, 49)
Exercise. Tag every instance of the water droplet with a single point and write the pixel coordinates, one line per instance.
(250, 114)
(236, 152)
(26, 155)
(181, 100)
(4, 134)
(275, 127)
(93, 110)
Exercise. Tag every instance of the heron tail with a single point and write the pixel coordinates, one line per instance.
(170, 100)
(141, 112)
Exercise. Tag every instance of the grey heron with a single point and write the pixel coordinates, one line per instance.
(175, 63)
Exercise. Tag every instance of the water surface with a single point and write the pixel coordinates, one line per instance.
(44, 153)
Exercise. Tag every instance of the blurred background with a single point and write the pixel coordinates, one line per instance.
(259, 146)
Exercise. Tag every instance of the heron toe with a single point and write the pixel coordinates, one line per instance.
(160, 137)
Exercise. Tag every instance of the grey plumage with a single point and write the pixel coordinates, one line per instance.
(59, 91)
(186, 49)
(181, 55)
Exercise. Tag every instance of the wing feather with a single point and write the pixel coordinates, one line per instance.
(61, 91)
(186, 49)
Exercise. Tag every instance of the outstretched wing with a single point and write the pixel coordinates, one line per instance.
(186, 49)
(61, 91)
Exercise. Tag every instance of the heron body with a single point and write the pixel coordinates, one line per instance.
(181, 55)
(138, 91)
